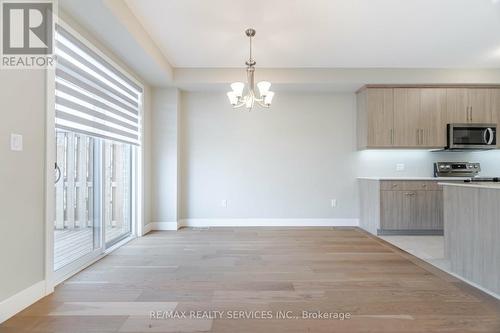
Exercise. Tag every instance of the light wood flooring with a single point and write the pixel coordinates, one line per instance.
(261, 271)
(72, 244)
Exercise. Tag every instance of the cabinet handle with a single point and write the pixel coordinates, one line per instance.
(418, 137)
(410, 193)
(470, 114)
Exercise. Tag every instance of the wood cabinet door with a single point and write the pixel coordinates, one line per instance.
(457, 105)
(380, 115)
(406, 117)
(429, 210)
(480, 105)
(432, 117)
(495, 108)
(391, 210)
(397, 210)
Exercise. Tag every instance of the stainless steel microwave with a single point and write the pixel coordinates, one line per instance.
(471, 136)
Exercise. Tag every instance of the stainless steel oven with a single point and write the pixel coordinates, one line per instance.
(471, 136)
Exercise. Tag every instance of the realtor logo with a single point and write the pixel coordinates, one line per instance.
(27, 33)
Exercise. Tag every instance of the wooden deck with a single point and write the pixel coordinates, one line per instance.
(256, 270)
(71, 244)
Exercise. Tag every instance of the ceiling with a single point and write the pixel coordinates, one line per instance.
(106, 26)
(325, 33)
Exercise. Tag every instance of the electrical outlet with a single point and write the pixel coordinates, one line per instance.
(333, 202)
(16, 142)
(400, 167)
(223, 203)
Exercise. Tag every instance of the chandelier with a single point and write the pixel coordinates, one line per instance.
(236, 97)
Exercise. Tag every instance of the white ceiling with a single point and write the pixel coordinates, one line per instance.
(326, 33)
(106, 27)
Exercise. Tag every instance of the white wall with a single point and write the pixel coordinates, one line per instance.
(286, 162)
(164, 155)
(22, 176)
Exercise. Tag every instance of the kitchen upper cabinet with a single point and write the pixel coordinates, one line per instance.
(432, 120)
(469, 105)
(457, 105)
(406, 117)
(419, 117)
(480, 105)
(416, 117)
(375, 118)
(495, 108)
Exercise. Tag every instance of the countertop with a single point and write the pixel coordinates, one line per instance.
(416, 178)
(485, 185)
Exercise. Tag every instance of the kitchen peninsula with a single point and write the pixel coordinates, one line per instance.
(472, 231)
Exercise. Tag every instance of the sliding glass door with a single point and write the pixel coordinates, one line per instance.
(98, 132)
(117, 191)
(93, 193)
(77, 226)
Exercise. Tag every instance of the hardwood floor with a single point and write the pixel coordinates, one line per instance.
(261, 272)
(71, 244)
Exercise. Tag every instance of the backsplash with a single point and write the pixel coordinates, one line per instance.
(419, 163)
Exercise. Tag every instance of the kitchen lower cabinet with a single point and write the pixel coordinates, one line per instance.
(411, 210)
(401, 207)
(429, 210)
(393, 205)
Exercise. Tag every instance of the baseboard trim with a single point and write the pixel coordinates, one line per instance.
(162, 226)
(269, 222)
(21, 300)
(410, 232)
(147, 228)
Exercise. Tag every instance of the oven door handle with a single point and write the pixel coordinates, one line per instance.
(488, 136)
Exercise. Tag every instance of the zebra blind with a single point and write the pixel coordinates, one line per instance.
(92, 96)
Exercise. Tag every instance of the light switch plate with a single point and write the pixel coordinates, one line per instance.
(400, 167)
(334, 203)
(223, 203)
(16, 142)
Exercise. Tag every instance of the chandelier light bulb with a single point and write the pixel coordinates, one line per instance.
(238, 88)
(263, 87)
(269, 98)
(233, 99)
